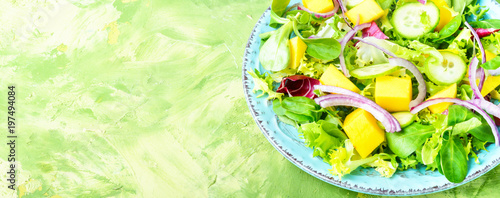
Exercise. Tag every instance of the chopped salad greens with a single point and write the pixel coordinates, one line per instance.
(386, 84)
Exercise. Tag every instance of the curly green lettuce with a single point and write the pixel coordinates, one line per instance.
(264, 83)
(344, 160)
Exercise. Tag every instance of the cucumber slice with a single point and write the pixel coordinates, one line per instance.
(414, 19)
(373, 71)
(452, 70)
(404, 118)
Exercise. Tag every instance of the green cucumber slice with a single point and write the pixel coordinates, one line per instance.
(404, 118)
(452, 70)
(414, 19)
(373, 71)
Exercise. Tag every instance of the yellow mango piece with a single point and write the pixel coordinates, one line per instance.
(297, 50)
(490, 84)
(319, 6)
(393, 93)
(445, 14)
(489, 55)
(362, 129)
(449, 92)
(333, 77)
(367, 11)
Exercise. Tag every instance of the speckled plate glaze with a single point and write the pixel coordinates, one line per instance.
(286, 140)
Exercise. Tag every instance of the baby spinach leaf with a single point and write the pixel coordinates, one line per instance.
(450, 28)
(458, 114)
(298, 109)
(279, 6)
(492, 64)
(486, 24)
(323, 48)
(407, 141)
(459, 5)
(274, 55)
(465, 127)
(453, 160)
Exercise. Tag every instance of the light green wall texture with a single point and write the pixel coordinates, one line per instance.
(143, 98)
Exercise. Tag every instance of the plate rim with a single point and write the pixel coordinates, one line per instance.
(330, 179)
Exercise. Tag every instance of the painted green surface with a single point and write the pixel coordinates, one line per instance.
(140, 98)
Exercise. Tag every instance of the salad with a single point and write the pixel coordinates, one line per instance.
(386, 84)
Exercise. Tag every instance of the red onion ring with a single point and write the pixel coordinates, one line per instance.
(338, 90)
(466, 104)
(488, 107)
(483, 54)
(478, 40)
(472, 78)
(422, 87)
(346, 100)
(344, 10)
(495, 72)
(344, 42)
(320, 15)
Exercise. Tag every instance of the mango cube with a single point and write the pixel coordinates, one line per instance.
(297, 50)
(361, 127)
(489, 55)
(445, 15)
(449, 92)
(333, 77)
(367, 11)
(319, 6)
(490, 84)
(393, 93)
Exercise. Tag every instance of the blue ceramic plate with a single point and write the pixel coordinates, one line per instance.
(286, 140)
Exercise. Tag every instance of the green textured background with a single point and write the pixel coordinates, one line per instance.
(143, 98)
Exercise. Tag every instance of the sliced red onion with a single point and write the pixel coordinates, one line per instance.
(422, 88)
(495, 72)
(482, 78)
(348, 36)
(477, 38)
(472, 78)
(320, 15)
(338, 90)
(345, 100)
(488, 107)
(376, 46)
(344, 10)
(466, 104)
(422, 1)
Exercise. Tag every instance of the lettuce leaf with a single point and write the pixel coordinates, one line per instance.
(264, 83)
(322, 136)
(345, 159)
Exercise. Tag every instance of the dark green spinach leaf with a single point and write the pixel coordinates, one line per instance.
(298, 109)
(486, 24)
(407, 141)
(274, 54)
(450, 28)
(458, 114)
(492, 64)
(453, 160)
(323, 48)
